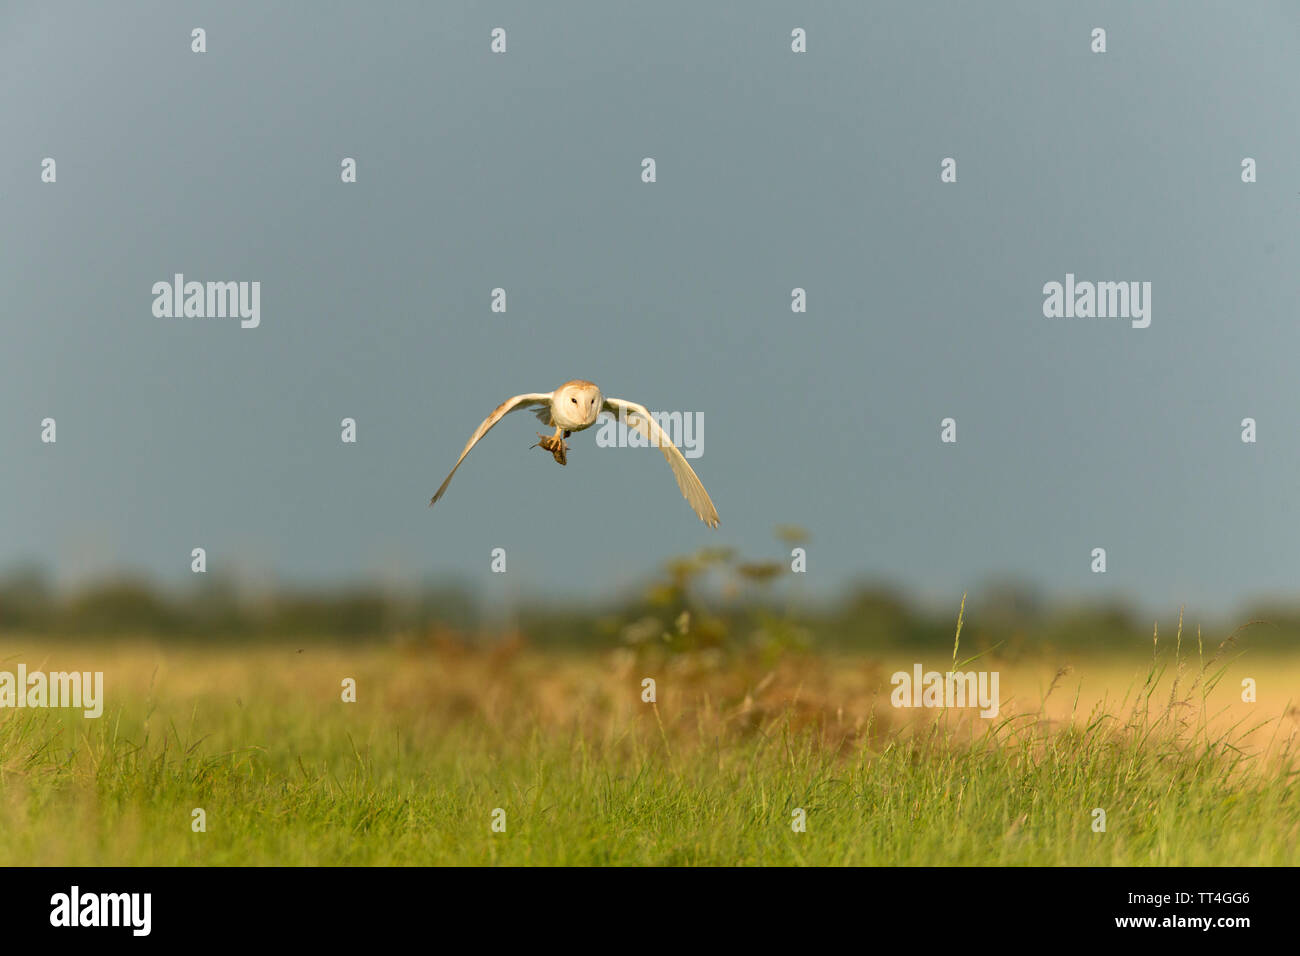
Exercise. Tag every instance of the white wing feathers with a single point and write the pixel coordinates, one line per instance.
(638, 417)
(528, 400)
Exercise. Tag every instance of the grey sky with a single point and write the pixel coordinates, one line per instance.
(775, 170)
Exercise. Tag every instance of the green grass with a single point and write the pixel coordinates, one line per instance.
(589, 774)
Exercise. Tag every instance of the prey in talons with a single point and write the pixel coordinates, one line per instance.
(555, 444)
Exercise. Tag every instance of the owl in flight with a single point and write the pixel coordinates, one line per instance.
(573, 407)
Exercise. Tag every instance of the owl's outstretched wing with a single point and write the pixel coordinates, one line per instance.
(692, 488)
(529, 400)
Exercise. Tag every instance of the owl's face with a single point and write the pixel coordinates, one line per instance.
(579, 402)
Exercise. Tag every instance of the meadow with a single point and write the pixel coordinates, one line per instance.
(561, 751)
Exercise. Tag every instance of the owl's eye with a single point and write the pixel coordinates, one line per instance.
(574, 400)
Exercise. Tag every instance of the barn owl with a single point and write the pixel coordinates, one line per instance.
(573, 407)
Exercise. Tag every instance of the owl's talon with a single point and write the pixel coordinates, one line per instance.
(555, 445)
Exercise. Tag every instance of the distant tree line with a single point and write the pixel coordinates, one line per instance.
(708, 600)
